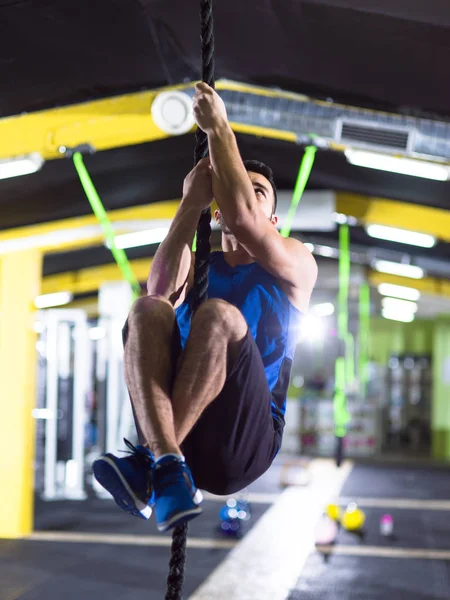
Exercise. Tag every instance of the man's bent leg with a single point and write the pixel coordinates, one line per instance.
(221, 388)
(136, 482)
(149, 371)
(218, 330)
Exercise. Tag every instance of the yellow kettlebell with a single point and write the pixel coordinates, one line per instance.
(333, 511)
(353, 518)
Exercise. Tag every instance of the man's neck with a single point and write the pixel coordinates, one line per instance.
(234, 254)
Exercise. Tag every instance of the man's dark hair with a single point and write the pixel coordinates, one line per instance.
(256, 166)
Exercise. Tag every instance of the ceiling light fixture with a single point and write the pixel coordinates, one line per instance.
(404, 306)
(399, 291)
(403, 270)
(326, 251)
(396, 315)
(50, 300)
(394, 164)
(401, 236)
(343, 219)
(20, 165)
(141, 238)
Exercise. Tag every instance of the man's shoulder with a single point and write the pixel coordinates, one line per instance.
(302, 253)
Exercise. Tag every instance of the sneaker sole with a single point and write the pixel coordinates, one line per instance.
(187, 515)
(179, 518)
(109, 476)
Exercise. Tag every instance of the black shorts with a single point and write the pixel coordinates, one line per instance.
(236, 438)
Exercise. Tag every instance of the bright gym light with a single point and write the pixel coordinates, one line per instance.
(141, 238)
(97, 333)
(401, 236)
(396, 315)
(400, 305)
(399, 291)
(394, 164)
(309, 246)
(20, 165)
(324, 309)
(312, 328)
(403, 270)
(343, 219)
(50, 300)
(326, 251)
(42, 413)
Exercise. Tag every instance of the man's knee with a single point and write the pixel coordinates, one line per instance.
(221, 317)
(149, 306)
(151, 311)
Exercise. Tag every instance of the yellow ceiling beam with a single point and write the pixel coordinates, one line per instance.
(426, 219)
(108, 123)
(427, 285)
(89, 280)
(114, 122)
(81, 232)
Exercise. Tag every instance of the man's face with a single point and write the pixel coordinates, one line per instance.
(264, 196)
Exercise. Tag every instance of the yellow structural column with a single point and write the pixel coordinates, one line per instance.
(20, 276)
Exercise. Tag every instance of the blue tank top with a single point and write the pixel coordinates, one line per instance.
(273, 321)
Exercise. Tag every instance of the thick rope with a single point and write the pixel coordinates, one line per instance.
(201, 268)
(175, 580)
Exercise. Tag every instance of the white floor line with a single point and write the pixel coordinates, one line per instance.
(398, 503)
(124, 539)
(267, 562)
(386, 552)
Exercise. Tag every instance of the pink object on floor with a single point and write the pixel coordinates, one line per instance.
(326, 531)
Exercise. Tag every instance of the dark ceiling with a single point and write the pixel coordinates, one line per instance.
(379, 52)
(390, 55)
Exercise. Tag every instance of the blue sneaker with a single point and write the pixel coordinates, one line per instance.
(176, 497)
(128, 479)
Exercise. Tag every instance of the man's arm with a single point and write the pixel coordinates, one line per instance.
(285, 258)
(172, 262)
(172, 266)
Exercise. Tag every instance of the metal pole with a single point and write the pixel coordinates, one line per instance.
(51, 404)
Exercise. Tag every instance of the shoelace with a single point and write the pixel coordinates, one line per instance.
(141, 460)
(136, 453)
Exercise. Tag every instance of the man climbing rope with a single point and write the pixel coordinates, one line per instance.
(209, 392)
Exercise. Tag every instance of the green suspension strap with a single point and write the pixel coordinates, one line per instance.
(102, 217)
(342, 371)
(350, 358)
(302, 179)
(364, 331)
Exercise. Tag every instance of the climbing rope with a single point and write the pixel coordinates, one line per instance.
(201, 268)
(175, 579)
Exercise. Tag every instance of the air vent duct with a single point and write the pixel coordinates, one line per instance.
(374, 136)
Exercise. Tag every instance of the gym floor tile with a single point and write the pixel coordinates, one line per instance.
(369, 578)
(391, 481)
